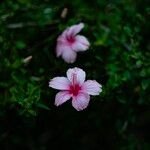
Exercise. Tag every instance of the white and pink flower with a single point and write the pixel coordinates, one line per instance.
(69, 43)
(74, 86)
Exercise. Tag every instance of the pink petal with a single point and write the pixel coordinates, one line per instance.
(60, 45)
(92, 87)
(81, 43)
(68, 54)
(80, 75)
(62, 97)
(60, 83)
(73, 30)
(64, 34)
(81, 101)
(59, 50)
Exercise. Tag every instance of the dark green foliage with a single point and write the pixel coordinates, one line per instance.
(118, 58)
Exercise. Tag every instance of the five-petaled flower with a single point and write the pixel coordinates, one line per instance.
(69, 43)
(74, 86)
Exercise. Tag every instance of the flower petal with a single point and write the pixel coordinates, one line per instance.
(81, 101)
(62, 97)
(68, 54)
(60, 83)
(64, 34)
(91, 87)
(61, 45)
(59, 49)
(81, 43)
(73, 30)
(80, 75)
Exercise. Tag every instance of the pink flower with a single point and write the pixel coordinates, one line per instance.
(75, 87)
(69, 43)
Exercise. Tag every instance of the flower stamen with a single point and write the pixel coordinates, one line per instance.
(74, 88)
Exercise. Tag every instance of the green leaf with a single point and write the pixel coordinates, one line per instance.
(42, 106)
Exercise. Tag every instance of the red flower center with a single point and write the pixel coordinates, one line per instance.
(71, 39)
(74, 89)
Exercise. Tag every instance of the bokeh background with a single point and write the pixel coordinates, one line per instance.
(117, 119)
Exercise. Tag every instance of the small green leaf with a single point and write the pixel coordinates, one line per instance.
(43, 106)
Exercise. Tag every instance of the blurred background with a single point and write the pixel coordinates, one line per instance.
(118, 58)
